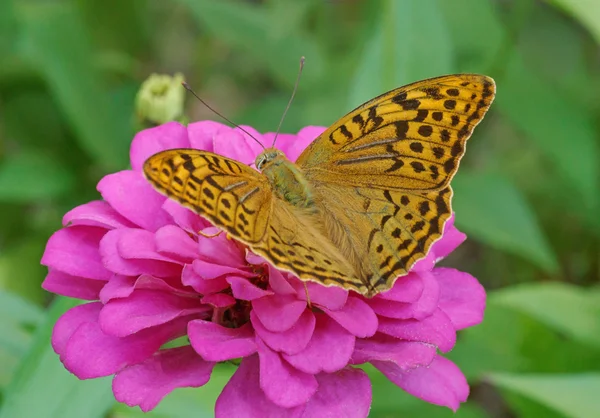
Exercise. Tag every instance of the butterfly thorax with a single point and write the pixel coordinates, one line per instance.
(285, 177)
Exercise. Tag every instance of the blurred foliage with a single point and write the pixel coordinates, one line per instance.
(527, 194)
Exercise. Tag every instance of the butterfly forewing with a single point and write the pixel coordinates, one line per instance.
(228, 193)
(411, 138)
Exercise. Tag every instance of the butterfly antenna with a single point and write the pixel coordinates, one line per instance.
(291, 99)
(188, 88)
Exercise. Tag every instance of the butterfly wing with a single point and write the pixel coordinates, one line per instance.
(411, 138)
(229, 194)
(240, 200)
(383, 233)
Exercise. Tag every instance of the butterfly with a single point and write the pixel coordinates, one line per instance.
(364, 201)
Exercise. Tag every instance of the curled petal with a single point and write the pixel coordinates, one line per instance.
(462, 297)
(242, 396)
(209, 271)
(146, 383)
(118, 241)
(146, 308)
(405, 354)
(346, 393)
(283, 384)
(333, 298)
(90, 353)
(217, 343)
(74, 250)
(133, 197)
(220, 250)
(278, 312)
(243, 289)
(440, 383)
(123, 286)
(424, 306)
(329, 349)
(436, 329)
(291, 341)
(407, 289)
(72, 286)
(356, 316)
(96, 213)
(204, 287)
(184, 217)
(174, 243)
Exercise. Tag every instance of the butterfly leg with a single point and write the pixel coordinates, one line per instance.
(205, 235)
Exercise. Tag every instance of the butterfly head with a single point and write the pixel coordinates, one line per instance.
(268, 157)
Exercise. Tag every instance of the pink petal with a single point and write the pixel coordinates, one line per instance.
(174, 243)
(146, 383)
(462, 297)
(329, 349)
(90, 353)
(282, 383)
(291, 341)
(134, 198)
(237, 145)
(96, 213)
(278, 282)
(74, 250)
(119, 241)
(202, 134)
(242, 396)
(146, 309)
(210, 271)
(243, 289)
(135, 243)
(72, 286)
(440, 383)
(421, 308)
(356, 316)
(190, 278)
(150, 141)
(303, 139)
(184, 217)
(219, 300)
(405, 354)
(278, 312)
(346, 393)
(220, 250)
(217, 343)
(333, 298)
(451, 239)
(406, 289)
(70, 321)
(123, 286)
(435, 329)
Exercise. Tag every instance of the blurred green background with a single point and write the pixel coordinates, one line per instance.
(527, 193)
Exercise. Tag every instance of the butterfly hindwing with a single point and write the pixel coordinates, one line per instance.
(385, 232)
(228, 193)
(411, 138)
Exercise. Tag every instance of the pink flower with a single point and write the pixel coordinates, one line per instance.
(152, 278)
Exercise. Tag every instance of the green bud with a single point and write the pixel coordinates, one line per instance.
(160, 99)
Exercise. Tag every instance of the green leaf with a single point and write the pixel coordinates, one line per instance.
(587, 12)
(30, 176)
(16, 309)
(561, 129)
(56, 42)
(252, 30)
(43, 388)
(570, 310)
(411, 43)
(574, 395)
(493, 211)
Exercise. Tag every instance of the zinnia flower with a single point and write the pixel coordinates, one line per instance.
(152, 278)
